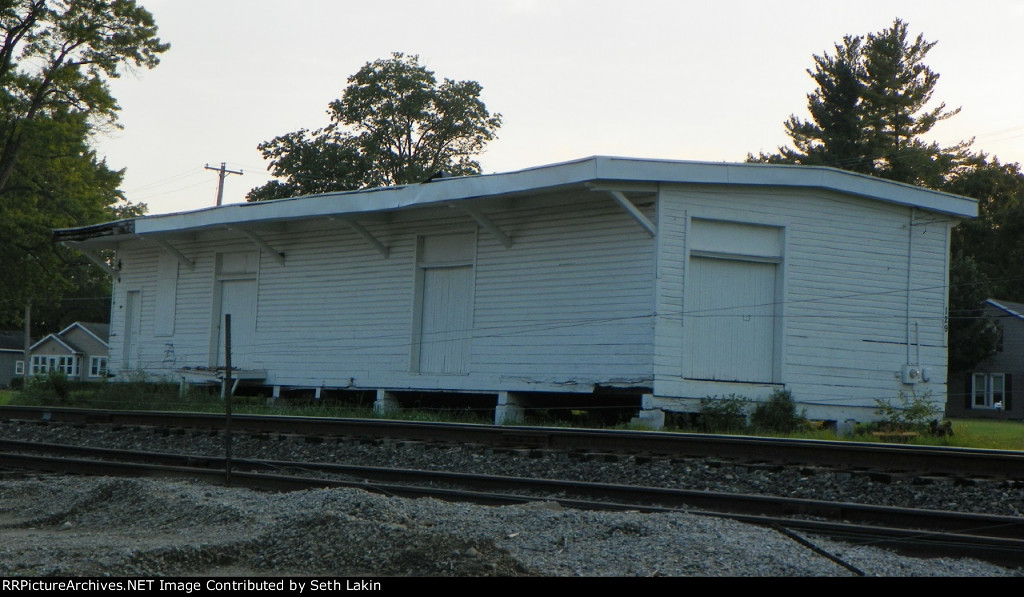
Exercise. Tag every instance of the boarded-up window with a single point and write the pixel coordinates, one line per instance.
(132, 328)
(443, 326)
(732, 302)
(166, 295)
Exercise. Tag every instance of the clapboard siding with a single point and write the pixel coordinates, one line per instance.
(844, 307)
(570, 302)
(581, 307)
(584, 296)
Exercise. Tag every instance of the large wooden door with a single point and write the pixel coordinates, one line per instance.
(729, 315)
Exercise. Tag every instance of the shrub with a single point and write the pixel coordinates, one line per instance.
(53, 388)
(912, 413)
(723, 414)
(778, 413)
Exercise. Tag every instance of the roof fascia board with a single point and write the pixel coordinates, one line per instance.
(374, 200)
(788, 176)
(595, 170)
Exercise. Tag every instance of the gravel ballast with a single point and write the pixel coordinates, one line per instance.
(69, 526)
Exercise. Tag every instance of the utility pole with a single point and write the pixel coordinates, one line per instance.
(27, 371)
(220, 185)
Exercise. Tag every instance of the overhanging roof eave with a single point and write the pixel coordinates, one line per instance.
(601, 170)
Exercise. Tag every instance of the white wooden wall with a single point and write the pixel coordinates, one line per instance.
(843, 310)
(572, 302)
(569, 305)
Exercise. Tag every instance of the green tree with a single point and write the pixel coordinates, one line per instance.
(55, 60)
(995, 239)
(870, 110)
(987, 256)
(59, 183)
(394, 124)
(56, 56)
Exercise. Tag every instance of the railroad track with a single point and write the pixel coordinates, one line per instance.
(999, 539)
(880, 458)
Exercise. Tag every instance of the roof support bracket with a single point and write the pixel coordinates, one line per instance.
(488, 225)
(166, 246)
(632, 210)
(369, 237)
(259, 242)
(96, 259)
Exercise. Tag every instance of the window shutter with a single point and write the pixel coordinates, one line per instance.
(969, 391)
(1008, 393)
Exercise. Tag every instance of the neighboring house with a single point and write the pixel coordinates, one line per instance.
(669, 280)
(987, 392)
(80, 351)
(12, 356)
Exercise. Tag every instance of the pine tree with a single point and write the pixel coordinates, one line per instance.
(869, 112)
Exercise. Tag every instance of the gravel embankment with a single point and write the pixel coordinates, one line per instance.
(80, 526)
(69, 526)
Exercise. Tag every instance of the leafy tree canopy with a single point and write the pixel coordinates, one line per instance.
(55, 60)
(394, 124)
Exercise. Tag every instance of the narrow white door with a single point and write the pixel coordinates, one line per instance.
(238, 298)
(132, 326)
(447, 320)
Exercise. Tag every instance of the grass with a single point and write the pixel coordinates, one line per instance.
(986, 433)
(967, 433)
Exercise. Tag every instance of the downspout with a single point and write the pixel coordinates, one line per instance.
(910, 263)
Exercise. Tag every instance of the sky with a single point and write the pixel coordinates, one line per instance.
(669, 79)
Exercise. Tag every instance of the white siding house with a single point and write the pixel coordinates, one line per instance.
(675, 280)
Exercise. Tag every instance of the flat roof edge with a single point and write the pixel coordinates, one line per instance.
(566, 174)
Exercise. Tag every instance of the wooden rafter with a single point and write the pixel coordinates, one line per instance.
(634, 211)
(166, 246)
(487, 224)
(259, 242)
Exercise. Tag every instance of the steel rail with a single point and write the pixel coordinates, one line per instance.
(993, 525)
(918, 460)
(985, 541)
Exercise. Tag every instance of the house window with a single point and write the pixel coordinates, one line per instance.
(97, 366)
(988, 390)
(19, 367)
(42, 364)
(68, 366)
